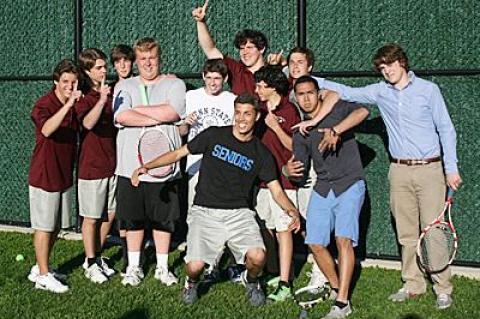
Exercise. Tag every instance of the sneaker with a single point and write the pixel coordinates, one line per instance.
(325, 292)
(317, 278)
(444, 301)
(272, 281)
(402, 295)
(95, 274)
(254, 291)
(35, 272)
(189, 293)
(165, 276)
(337, 313)
(282, 293)
(211, 275)
(50, 283)
(109, 272)
(123, 271)
(133, 276)
(234, 273)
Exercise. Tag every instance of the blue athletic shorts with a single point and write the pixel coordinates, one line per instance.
(340, 213)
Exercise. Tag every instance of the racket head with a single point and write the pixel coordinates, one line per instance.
(309, 296)
(437, 247)
(152, 144)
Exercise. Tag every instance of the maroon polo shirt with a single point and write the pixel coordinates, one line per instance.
(240, 78)
(288, 115)
(98, 150)
(51, 167)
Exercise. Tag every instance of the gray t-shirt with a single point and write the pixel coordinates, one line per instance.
(336, 170)
(128, 94)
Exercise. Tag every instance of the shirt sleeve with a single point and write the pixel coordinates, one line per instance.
(446, 131)
(268, 170)
(176, 97)
(232, 65)
(40, 114)
(121, 101)
(302, 153)
(199, 144)
(366, 94)
(350, 107)
(292, 118)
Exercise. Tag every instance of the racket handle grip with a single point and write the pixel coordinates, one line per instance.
(450, 193)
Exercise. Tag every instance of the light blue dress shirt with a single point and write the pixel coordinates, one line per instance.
(416, 117)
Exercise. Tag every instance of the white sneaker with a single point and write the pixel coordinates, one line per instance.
(444, 301)
(339, 313)
(35, 272)
(50, 283)
(95, 274)
(317, 278)
(165, 276)
(133, 276)
(109, 272)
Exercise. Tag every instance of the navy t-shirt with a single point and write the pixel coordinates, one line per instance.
(230, 168)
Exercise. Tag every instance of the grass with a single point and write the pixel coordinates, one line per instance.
(19, 299)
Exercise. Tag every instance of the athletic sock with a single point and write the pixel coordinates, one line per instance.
(283, 283)
(91, 261)
(124, 249)
(340, 304)
(162, 261)
(251, 280)
(98, 256)
(134, 258)
(191, 280)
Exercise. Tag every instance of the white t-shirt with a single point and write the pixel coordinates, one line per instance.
(211, 110)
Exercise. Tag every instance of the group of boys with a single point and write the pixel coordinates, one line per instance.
(236, 139)
(79, 102)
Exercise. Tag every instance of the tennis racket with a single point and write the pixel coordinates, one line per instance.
(154, 142)
(309, 296)
(438, 242)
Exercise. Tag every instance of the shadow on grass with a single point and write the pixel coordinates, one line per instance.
(135, 314)
(411, 316)
(75, 262)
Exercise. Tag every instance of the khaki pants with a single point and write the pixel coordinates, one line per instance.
(417, 196)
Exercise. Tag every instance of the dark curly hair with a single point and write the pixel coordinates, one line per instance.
(273, 77)
(254, 36)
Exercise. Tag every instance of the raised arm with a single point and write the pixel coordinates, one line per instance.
(163, 160)
(204, 38)
(91, 119)
(54, 122)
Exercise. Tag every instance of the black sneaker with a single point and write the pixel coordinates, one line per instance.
(189, 293)
(211, 275)
(234, 273)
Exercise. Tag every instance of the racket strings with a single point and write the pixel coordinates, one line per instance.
(151, 145)
(437, 247)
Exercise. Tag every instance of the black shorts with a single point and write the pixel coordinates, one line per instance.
(153, 203)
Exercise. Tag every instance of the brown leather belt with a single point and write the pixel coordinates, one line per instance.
(412, 162)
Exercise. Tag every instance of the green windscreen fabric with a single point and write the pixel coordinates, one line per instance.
(35, 35)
